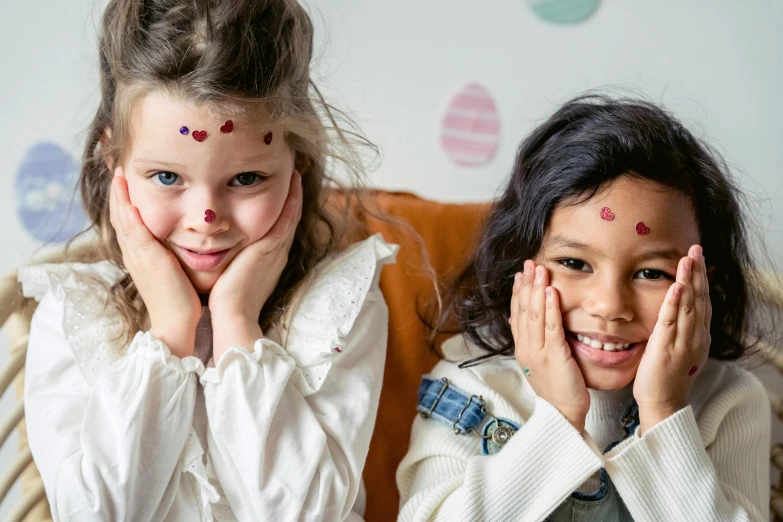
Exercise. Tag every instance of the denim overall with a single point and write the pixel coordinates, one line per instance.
(465, 413)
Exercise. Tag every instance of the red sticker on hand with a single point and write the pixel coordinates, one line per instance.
(692, 370)
(227, 127)
(642, 229)
(606, 214)
(199, 135)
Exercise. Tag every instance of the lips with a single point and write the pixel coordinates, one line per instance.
(202, 260)
(594, 349)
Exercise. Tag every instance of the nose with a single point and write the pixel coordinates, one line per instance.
(610, 299)
(205, 216)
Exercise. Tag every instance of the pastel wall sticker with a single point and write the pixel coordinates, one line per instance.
(563, 12)
(46, 199)
(470, 133)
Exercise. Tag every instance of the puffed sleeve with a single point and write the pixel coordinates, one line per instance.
(290, 423)
(106, 437)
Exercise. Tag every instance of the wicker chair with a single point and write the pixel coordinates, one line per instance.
(16, 313)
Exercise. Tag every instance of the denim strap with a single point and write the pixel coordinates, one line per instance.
(443, 402)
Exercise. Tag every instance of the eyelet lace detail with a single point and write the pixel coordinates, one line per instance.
(91, 322)
(321, 316)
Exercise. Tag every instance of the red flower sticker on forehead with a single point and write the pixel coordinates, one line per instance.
(642, 229)
(606, 214)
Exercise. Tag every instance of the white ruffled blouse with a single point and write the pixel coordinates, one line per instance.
(279, 432)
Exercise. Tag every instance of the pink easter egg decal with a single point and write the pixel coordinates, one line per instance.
(471, 127)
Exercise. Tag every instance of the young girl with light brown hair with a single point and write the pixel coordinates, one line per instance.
(224, 361)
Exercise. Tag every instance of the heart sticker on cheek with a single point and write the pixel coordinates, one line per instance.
(606, 214)
(227, 127)
(642, 229)
(199, 135)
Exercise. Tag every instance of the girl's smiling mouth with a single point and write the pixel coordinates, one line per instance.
(201, 260)
(603, 350)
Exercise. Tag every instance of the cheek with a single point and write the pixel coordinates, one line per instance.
(256, 217)
(157, 213)
(570, 293)
(649, 306)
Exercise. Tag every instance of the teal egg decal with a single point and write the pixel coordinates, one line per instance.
(563, 12)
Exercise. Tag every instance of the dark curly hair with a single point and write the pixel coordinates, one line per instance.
(589, 142)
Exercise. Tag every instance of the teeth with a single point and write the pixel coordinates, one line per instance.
(609, 347)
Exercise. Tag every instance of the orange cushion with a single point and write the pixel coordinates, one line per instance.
(448, 232)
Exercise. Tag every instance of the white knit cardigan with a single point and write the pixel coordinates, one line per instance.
(707, 462)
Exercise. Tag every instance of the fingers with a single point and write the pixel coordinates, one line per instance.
(701, 289)
(666, 326)
(285, 226)
(554, 334)
(537, 310)
(124, 217)
(686, 311)
(520, 302)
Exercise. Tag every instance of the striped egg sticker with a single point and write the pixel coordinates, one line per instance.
(470, 133)
(563, 12)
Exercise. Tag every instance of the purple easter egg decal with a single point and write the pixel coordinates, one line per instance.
(47, 200)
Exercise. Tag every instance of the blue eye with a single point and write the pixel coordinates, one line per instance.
(247, 179)
(167, 178)
(573, 264)
(653, 275)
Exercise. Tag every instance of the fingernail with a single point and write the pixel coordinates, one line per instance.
(548, 293)
(539, 273)
(677, 290)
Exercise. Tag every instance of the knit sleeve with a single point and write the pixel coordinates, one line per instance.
(672, 473)
(442, 478)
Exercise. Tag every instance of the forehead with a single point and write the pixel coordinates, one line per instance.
(156, 120)
(668, 214)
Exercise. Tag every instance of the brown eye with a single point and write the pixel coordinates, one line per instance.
(652, 274)
(247, 178)
(573, 264)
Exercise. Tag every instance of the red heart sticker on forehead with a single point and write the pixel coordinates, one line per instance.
(227, 127)
(642, 229)
(606, 214)
(199, 135)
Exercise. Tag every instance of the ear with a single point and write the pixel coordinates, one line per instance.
(107, 158)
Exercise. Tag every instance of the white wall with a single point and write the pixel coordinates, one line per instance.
(715, 63)
(393, 65)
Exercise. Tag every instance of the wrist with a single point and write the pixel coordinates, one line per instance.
(233, 331)
(181, 343)
(649, 416)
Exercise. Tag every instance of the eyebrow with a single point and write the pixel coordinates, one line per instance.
(159, 162)
(671, 254)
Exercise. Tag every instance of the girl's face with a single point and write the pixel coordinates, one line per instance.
(173, 180)
(611, 280)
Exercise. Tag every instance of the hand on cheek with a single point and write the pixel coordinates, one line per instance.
(172, 303)
(679, 345)
(241, 291)
(540, 346)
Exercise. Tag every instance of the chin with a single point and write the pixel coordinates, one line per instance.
(203, 281)
(608, 380)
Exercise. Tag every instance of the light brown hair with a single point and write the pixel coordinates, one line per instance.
(240, 55)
